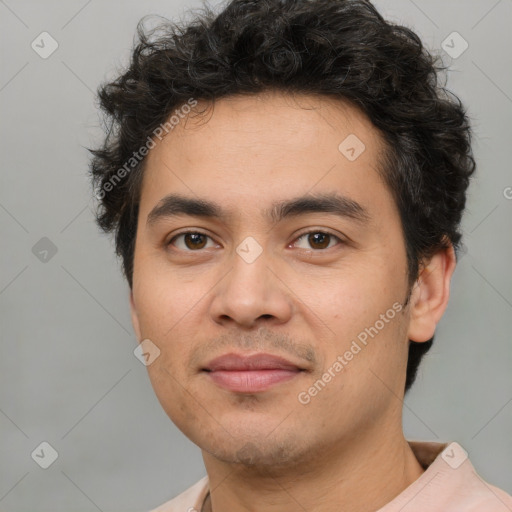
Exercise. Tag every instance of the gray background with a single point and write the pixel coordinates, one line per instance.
(68, 375)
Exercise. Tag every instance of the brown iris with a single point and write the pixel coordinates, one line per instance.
(194, 239)
(321, 239)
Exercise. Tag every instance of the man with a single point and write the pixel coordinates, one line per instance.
(286, 180)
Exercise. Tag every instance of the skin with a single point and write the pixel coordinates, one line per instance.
(266, 451)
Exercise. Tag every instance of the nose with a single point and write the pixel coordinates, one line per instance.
(251, 293)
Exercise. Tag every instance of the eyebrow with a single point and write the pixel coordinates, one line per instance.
(174, 205)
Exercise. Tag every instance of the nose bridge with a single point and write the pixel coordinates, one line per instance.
(247, 283)
(250, 290)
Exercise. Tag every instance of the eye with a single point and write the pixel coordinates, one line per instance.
(319, 240)
(192, 240)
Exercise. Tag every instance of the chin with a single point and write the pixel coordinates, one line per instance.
(258, 450)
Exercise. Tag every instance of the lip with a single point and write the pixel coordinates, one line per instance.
(250, 373)
(245, 362)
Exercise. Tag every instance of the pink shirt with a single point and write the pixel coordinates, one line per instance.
(449, 484)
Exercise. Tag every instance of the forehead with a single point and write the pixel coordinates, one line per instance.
(275, 120)
(265, 146)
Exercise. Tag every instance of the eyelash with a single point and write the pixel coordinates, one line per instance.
(315, 231)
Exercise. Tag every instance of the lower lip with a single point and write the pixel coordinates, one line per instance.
(250, 381)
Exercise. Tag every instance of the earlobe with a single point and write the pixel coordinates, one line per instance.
(135, 318)
(430, 295)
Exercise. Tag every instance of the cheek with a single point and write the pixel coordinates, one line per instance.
(165, 296)
(170, 388)
(358, 316)
(350, 299)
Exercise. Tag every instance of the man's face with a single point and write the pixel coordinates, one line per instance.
(306, 297)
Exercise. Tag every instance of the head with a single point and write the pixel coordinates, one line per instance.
(314, 136)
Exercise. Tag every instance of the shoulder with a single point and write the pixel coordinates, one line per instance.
(464, 488)
(449, 484)
(484, 497)
(190, 500)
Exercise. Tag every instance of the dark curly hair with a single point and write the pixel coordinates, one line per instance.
(338, 48)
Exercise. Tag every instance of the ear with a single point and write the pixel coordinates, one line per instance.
(135, 318)
(430, 295)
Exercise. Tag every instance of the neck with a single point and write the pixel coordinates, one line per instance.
(361, 476)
